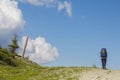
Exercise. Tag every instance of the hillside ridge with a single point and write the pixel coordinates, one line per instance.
(14, 67)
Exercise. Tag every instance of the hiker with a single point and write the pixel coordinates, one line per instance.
(103, 55)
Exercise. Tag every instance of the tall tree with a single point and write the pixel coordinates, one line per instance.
(14, 46)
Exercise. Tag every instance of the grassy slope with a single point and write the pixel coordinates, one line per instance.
(31, 71)
(15, 68)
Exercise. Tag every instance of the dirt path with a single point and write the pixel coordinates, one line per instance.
(100, 74)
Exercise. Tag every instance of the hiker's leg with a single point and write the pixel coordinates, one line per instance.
(102, 63)
(105, 63)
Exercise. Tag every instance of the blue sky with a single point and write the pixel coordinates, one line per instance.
(94, 24)
(78, 34)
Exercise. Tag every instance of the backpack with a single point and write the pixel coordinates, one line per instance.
(103, 54)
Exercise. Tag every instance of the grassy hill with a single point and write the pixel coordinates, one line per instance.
(14, 67)
(31, 71)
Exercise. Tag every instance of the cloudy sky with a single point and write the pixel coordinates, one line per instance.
(64, 32)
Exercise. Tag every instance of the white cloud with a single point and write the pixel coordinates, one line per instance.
(12, 22)
(39, 50)
(67, 6)
(11, 19)
(47, 3)
(52, 3)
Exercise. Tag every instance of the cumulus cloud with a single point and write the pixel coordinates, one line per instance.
(52, 3)
(12, 22)
(11, 19)
(39, 50)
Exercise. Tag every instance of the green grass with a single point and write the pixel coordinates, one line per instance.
(13, 67)
(32, 71)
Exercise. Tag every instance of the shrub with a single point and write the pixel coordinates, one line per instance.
(94, 66)
(10, 62)
(7, 58)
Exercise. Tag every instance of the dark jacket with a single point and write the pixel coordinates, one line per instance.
(103, 53)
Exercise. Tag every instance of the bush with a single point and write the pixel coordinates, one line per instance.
(7, 58)
(3, 56)
(94, 66)
(3, 50)
(10, 62)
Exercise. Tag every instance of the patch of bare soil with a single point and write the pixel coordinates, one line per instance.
(99, 74)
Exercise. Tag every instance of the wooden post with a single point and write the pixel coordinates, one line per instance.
(25, 46)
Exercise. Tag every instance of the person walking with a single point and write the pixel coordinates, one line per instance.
(103, 55)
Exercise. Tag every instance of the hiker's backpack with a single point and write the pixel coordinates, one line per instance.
(103, 54)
